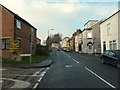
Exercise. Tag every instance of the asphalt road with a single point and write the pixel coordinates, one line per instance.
(73, 70)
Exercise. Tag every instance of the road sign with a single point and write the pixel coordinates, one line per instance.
(25, 54)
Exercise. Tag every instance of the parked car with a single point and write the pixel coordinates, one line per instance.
(68, 50)
(111, 57)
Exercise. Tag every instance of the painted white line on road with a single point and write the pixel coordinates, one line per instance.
(39, 79)
(100, 78)
(35, 86)
(75, 60)
(42, 74)
(72, 58)
(37, 72)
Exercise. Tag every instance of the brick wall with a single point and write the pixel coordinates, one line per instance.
(24, 34)
(7, 29)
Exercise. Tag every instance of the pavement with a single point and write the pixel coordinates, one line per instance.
(45, 63)
(23, 75)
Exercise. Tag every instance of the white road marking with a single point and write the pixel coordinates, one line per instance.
(39, 79)
(72, 58)
(37, 72)
(100, 78)
(18, 83)
(35, 86)
(75, 60)
(68, 66)
(44, 72)
(41, 76)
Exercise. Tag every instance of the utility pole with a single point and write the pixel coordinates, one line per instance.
(48, 36)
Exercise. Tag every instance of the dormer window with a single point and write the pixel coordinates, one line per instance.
(18, 24)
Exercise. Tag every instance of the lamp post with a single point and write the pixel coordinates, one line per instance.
(49, 30)
(48, 37)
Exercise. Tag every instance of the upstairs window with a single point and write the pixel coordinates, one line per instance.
(114, 45)
(108, 28)
(18, 24)
(110, 45)
(89, 35)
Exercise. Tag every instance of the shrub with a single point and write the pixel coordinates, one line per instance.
(42, 50)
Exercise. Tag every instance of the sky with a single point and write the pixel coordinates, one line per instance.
(63, 16)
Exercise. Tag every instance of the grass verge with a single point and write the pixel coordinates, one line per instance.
(35, 59)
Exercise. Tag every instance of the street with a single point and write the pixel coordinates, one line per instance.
(69, 70)
(72, 70)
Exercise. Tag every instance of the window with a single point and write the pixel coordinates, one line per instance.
(108, 28)
(18, 23)
(5, 44)
(110, 45)
(114, 45)
(89, 35)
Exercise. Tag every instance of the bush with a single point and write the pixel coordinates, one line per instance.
(42, 50)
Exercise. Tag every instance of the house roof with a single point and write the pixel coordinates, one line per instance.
(89, 21)
(18, 17)
(86, 29)
(110, 16)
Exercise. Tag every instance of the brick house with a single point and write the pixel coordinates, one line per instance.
(16, 28)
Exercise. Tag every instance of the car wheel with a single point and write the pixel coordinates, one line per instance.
(102, 60)
(118, 65)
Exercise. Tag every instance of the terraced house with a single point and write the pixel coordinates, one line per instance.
(91, 37)
(110, 32)
(16, 28)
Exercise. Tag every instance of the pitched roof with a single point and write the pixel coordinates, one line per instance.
(18, 17)
(110, 16)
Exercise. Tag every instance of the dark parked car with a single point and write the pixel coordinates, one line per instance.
(68, 50)
(111, 57)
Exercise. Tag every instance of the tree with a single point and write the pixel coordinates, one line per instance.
(15, 49)
(57, 38)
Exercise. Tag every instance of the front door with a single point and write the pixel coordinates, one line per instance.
(90, 49)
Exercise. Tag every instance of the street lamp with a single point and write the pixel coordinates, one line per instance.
(49, 30)
(49, 37)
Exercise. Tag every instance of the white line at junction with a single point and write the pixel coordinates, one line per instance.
(41, 76)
